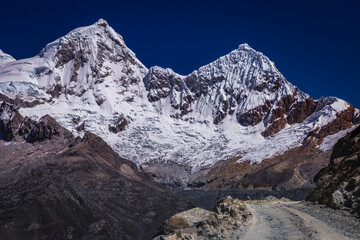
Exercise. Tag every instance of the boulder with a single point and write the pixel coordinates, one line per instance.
(197, 223)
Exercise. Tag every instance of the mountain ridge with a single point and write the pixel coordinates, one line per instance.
(238, 106)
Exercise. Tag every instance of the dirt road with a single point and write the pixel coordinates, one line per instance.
(297, 220)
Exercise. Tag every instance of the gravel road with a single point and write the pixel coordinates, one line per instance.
(298, 220)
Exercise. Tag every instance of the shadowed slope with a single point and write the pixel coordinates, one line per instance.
(67, 188)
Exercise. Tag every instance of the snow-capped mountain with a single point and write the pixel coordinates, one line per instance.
(89, 63)
(237, 106)
(243, 83)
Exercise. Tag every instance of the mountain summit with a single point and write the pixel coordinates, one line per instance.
(237, 107)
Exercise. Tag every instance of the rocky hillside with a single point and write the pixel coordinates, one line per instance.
(338, 184)
(56, 186)
(185, 131)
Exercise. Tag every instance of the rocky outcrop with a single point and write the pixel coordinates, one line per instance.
(289, 111)
(26, 127)
(13, 127)
(18, 102)
(227, 215)
(119, 125)
(59, 187)
(47, 128)
(344, 120)
(10, 120)
(338, 184)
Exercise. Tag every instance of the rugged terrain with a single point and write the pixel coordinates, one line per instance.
(56, 186)
(269, 218)
(235, 122)
(338, 184)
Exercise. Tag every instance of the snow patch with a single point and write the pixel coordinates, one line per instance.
(329, 141)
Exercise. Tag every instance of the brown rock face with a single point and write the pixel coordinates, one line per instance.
(59, 187)
(338, 184)
(288, 111)
(301, 110)
(344, 120)
(275, 127)
(251, 117)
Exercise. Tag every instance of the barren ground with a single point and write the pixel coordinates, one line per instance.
(298, 220)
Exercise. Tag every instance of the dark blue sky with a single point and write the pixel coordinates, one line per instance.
(315, 44)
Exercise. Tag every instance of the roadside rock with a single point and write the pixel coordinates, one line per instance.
(189, 220)
(227, 215)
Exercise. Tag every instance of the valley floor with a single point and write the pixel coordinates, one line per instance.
(297, 220)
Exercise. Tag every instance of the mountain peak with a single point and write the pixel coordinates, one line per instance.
(89, 58)
(245, 46)
(100, 26)
(92, 34)
(100, 29)
(102, 22)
